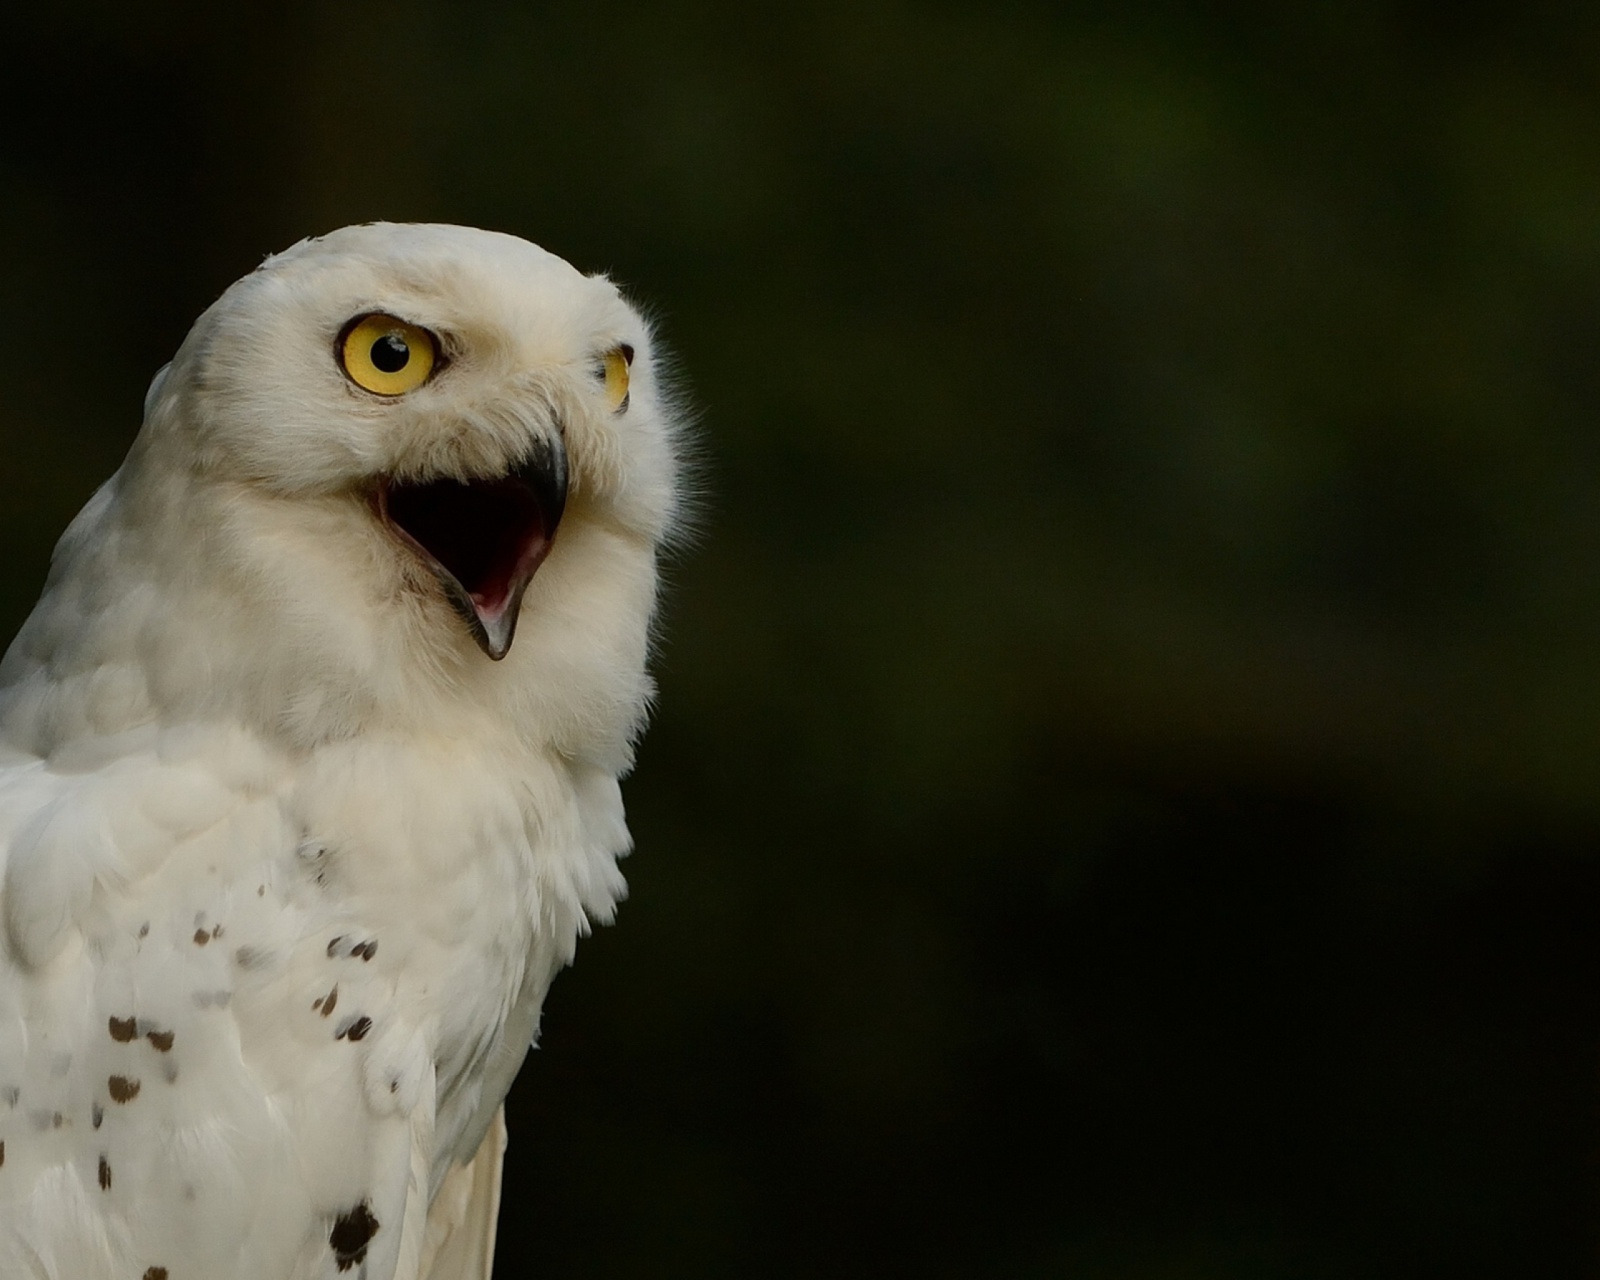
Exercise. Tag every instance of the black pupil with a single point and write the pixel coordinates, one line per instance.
(390, 353)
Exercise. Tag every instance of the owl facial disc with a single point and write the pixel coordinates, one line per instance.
(483, 538)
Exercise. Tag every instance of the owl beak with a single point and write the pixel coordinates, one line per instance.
(484, 538)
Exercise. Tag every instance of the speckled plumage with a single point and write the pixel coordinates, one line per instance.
(288, 861)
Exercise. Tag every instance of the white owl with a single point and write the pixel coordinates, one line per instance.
(309, 763)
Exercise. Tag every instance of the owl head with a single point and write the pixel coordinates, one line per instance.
(374, 463)
(460, 385)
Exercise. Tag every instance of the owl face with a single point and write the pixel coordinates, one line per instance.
(456, 385)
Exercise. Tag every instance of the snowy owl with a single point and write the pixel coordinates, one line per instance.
(309, 761)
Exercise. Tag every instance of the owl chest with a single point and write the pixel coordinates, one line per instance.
(440, 920)
(423, 872)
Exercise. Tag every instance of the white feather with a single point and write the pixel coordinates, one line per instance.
(287, 862)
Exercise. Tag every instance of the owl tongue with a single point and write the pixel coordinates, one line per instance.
(484, 539)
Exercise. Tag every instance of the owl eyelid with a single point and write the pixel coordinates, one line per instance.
(361, 317)
(623, 349)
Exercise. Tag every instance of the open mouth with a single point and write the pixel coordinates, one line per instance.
(484, 538)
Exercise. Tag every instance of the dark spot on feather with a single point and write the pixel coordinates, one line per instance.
(155, 1273)
(105, 1174)
(366, 950)
(122, 1089)
(162, 1040)
(97, 1113)
(144, 929)
(328, 1001)
(216, 931)
(394, 1085)
(55, 1119)
(124, 1029)
(333, 945)
(2, 1155)
(354, 1028)
(251, 957)
(169, 1069)
(352, 1231)
(201, 937)
(261, 891)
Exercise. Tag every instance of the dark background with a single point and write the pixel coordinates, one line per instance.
(1126, 790)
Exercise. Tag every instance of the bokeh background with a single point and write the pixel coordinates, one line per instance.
(1126, 791)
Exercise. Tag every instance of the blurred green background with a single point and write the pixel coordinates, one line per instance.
(1126, 790)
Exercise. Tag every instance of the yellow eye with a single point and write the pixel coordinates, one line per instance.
(614, 373)
(385, 356)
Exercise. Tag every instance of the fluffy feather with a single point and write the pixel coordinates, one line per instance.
(287, 863)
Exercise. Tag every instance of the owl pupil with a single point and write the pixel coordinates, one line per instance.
(390, 353)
